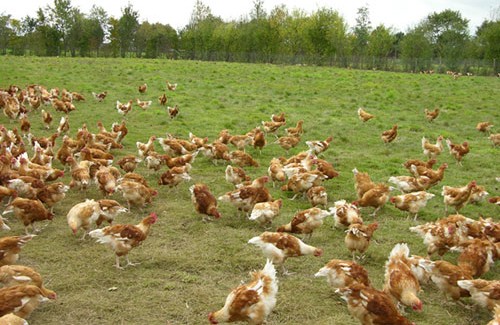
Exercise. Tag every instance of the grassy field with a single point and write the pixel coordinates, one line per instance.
(187, 266)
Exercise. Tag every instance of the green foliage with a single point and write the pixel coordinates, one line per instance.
(188, 267)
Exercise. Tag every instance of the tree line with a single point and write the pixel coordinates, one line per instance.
(440, 41)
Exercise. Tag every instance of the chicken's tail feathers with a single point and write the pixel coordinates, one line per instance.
(269, 269)
(99, 235)
(418, 230)
(465, 284)
(448, 143)
(256, 241)
(322, 272)
(400, 250)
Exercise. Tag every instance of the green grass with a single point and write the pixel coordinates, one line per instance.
(188, 267)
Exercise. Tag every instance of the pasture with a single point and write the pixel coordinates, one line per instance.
(187, 266)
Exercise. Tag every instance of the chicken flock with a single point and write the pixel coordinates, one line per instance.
(32, 186)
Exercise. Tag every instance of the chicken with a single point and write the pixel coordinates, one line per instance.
(317, 196)
(495, 139)
(251, 302)
(124, 108)
(301, 183)
(258, 139)
(389, 135)
(11, 275)
(458, 151)
(299, 164)
(128, 163)
(121, 238)
(11, 319)
(105, 178)
(143, 88)
(63, 126)
(358, 237)
(83, 214)
(325, 168)
(364, 115)
(136, 194)
(400, 282)
(175, 176)
(163, 99)
(478, 194)
(245, 197)
(431, 115)
(145, 148)
(435, 176)
(47, 119)
(412, 202)
(11, 193)
(173, 111)
(476, 256)
(376, 197)
(275, 171)
(242, 159)
(176, 147)
(278, 247)
(496, 315)
(495, 200)
(51, 194)
(10, 247)
(180, 161)
(408, 184)
(432, 150)
(21, 300)
(278, 117)
(170, 86)
(236, 175)
(121, 129)
(296, 131)
(342, 273)
(25, 186)
(271, 126)
(371, 306)
(317, 147)
(457, 197)
(419, 163)
(80, 173)
(288, 142)
(446, 275)
(25, 124)
(486, 293)
(484, 126)
(204, 201)
(443, 234)
(100, 96)
(265, 212)
(29, 211)
(344, 214)
(305, 222)
(362, 182)
(134, 177)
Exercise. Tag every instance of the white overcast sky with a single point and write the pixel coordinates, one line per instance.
(399, 14)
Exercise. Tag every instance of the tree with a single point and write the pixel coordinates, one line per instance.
(416, 50)
(5, 33)
(127, 29)
(362, 31)
(380, 44)
(196, 37)
(448, 34)
(488, 42)
(61, 18)
(98, 28)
